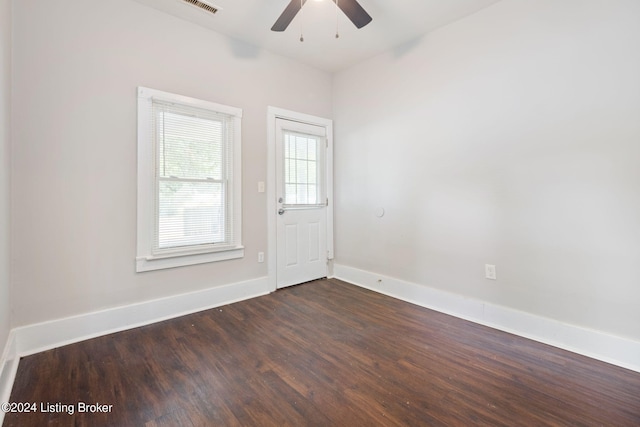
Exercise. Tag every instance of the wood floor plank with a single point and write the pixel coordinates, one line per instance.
(325, 353)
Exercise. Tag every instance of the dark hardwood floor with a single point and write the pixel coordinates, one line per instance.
(322, 354)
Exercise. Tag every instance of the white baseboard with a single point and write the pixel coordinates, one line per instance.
(38, 337)
(8, 368)
(597, 345)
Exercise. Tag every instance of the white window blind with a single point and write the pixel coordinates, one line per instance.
(193, 173)
(192, 151)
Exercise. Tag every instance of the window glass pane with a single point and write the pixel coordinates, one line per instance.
(301, 166)
(302, 194)
(288, 176)
(301, 147)
(189, 147)
(312, 149)
(290, 196)
(287, 146)
(190, 213)
(312, 191)
(301, 169)
(312, 173)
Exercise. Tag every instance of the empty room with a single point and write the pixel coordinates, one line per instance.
(319, 213)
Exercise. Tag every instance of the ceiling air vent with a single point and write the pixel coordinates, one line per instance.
(203, 5)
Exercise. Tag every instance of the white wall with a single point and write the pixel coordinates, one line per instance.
(77, 64)
(5, 135)
(511, 137)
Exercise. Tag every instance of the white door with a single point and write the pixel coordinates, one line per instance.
(301, 177)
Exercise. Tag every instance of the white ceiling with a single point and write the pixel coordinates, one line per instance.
(394, 22)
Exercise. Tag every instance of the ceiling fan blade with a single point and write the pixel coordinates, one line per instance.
(354, 12)
(287, 16)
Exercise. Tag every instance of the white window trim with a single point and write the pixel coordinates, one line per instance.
(145, 261)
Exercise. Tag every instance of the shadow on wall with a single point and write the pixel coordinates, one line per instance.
(406, 47)
(244, 50)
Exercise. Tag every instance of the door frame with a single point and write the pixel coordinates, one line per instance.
(274, 113)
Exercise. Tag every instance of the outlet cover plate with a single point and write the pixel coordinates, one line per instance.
(490, 271)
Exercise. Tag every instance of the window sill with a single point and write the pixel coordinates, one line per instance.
(179, 260)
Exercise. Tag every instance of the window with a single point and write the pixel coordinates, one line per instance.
(303, 169)
(189, 209)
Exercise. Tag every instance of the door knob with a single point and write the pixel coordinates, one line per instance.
(280, 211)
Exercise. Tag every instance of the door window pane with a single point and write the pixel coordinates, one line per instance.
(301, 169)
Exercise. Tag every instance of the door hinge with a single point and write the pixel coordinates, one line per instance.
(327, 202)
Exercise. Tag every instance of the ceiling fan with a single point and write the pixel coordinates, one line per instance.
(351, 8)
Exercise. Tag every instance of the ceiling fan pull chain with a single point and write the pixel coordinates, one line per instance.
(337, 6)
(301, 16)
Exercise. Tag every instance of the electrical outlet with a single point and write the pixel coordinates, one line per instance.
(260, 256)
(490, 271)
(261, 187)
